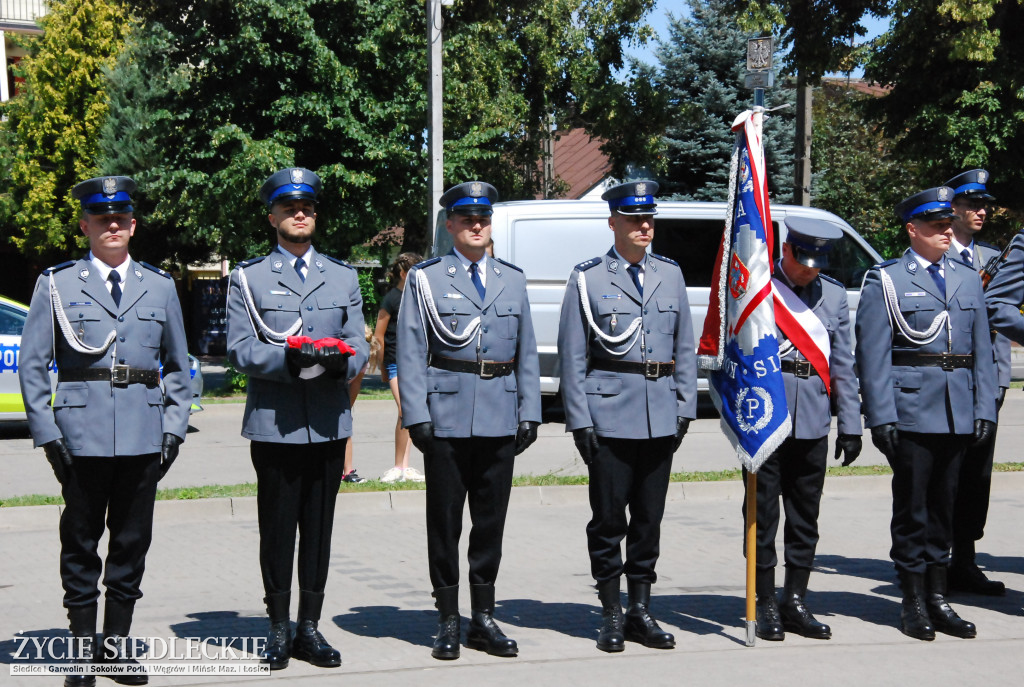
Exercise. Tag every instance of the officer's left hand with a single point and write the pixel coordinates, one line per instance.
(334, 360)
(850, 444)
(168, 452)
(682, 425)
(984, 430)
(526, 435)
(1000, 397)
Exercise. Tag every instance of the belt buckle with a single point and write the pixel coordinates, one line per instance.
(483, 367)
(652, 368)
(802, 369)
(947, 362)
(119, 375)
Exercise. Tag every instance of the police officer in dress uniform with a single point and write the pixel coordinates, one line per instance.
(297, 412)
(971, 508)
(796, 470)
(629, 386)
(112, 429)
(929, 384)
(470, 392)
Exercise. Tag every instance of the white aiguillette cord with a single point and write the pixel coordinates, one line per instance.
(428, 307)
(633, 330)
(258, 325)
(69, 332)
(898, 322)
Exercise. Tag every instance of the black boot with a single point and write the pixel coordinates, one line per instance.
(279, 638)
(117, 645)
(82, 621)
(964, 575)
(309, 645)
(610, 638)
(943, 617)
(913, 612)
(795, 616)
(484, 633)
(640, 626)
(769, 624)
(449, 623)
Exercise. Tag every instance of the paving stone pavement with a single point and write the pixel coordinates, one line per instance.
(202, 580)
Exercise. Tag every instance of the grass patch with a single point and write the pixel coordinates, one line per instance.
(549, 480)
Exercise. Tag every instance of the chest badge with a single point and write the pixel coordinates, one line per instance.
(277, 264)
(613, 265)
(84, 274)
(451, 269)
(615, 321)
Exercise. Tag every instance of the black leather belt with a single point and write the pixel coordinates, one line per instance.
(120, 375)
(485, 369)
(651, 369)
(947, 361)
(799, 368)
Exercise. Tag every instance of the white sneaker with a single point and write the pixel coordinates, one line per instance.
(393, 475)
(414, 475)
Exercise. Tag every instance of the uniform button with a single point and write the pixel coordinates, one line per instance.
(615, 310)
(121, 339)
(648, 331)
(453, 308)
(435, 387)
(279, 305)
(309, 328)
(120, 319)
(121, 361)
(485, 330)
(645, 311)
(650, 350)
(334, 302)
(309, 308)
(485, 311)
(152, 314)
(510, 309)
(81, 315)
(484, 349)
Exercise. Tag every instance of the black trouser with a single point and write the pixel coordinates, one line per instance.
(633, 474)
(924, 478)
(121, 491)
(480, 468)
(297, 485)
(796, 472)
(970, 512)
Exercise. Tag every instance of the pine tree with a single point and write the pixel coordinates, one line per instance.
(701, 66)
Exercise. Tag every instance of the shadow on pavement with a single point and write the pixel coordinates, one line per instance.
(218, 625)
(22, 649)
(415, 627)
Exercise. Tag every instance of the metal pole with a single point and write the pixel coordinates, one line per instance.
(804, 124)
(435, 121)
(751, 550)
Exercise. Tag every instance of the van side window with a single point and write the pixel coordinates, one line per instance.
(579, 239)
(850, 262)
(693, 243)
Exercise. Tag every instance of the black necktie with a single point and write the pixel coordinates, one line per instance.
(966, 255)
(634, 273)
(115, 286)
(474, 275)
(939, 280)
(299, 264)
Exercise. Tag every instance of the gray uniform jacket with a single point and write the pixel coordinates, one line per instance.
(983, 252)
(809, 404)
(97, 418)
(280, 408)
(921, 399)
(627, 405)
(462, 404)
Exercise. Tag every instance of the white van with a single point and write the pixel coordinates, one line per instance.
(547, 238)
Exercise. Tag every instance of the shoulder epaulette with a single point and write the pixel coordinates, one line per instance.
(664, 259)
(832, 279)
(336, 261)
(985, 244)
(509, 264)
(251, 261)
(156, 269)
(428, 263)
(586, 265)
(888, 262)
(57, 268)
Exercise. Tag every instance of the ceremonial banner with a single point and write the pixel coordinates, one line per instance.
(739, 344)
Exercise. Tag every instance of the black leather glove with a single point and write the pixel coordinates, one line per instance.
(168, 452)
(298, 358)
(422, 436)
(1000, 397)
(886, 439)
(850, 444)
(526, 435)
(984, 430)
(59, 457)
(682, 424)
(333, 360)
(586, 443)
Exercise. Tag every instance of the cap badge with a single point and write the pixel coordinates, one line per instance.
(476, 189)
(109, 186)
(296, 176)
(641, 189)
(943, 193)
(982, 176)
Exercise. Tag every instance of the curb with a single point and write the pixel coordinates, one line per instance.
(243, 508)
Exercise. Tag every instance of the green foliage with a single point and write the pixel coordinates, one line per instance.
(234, 381)
(368, 290)
(50, 132)
(701, 72)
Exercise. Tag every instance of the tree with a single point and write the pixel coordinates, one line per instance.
(701, 71)
(211, 97)
(50, 134)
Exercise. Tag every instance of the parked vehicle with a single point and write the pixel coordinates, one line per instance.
(547, 238)
(12, 321)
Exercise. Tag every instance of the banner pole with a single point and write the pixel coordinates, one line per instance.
(751, 541)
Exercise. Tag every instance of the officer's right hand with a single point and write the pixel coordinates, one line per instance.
(334, 360)
(886, 439)
(984, 430)
(422, 435)
(851, 445)
(298, 358)
(60, 458)
(586, 443)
